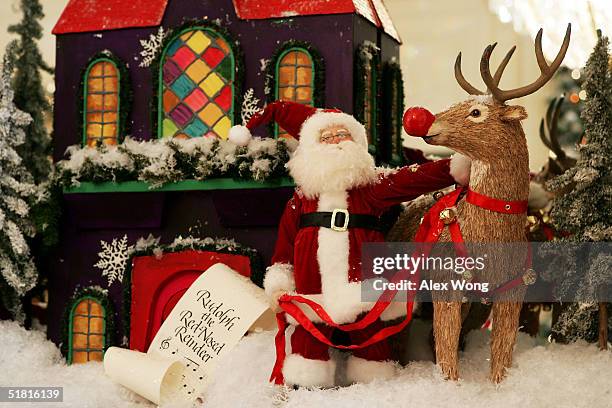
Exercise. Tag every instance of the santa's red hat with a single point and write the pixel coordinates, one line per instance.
(303, 122)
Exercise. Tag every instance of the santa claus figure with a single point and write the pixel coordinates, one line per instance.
(336, 206)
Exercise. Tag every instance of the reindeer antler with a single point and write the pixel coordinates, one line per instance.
(546, 71)
(549, 123)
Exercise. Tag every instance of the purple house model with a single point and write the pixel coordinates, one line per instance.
(154, 69)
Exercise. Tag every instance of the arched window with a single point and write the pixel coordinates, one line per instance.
(87, 331)
(366, 95)
(101, 100)
(196, 86)
(294, 76)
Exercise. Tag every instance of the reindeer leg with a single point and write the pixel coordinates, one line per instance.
(447, 326)
(505, 326)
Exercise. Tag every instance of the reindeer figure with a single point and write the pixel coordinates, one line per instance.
(489, 132)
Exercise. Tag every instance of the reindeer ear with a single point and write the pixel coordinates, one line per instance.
(514, 112)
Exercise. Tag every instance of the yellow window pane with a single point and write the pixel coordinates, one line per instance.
(95, 308)
(110, 141)
(110, 102)
(95, 85)
(96, 69)
(82, 307)
(96, 342)
(79, 324)
(286, 76)
(96, 356)
(79, 357)
(304, 94)
(94, 102)
(289, 58)
(287, 94)
(79, 341)
(94, 117)
(198, 42)
(109, 130)
(111, 84)
(96, 325)
(198, 71)
(94, 130)
(304, 76)
(92, 142)
(210, 114)
(212, 84)
(303, 58)
(222, 127)
(110, 117)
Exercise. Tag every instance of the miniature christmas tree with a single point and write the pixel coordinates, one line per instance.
(29, 94)
(583, 203)
(18, 272)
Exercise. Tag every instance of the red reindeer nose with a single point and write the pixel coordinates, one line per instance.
(417, 121)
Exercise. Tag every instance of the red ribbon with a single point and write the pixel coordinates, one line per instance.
(493, 204)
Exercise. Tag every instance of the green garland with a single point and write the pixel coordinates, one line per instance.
(162, 161)
(392, 108)
(172, 35)
(318, 92)
(359, 86)
(101, 296)
(223, 246)
(125, 95)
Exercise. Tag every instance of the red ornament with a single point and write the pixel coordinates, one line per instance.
(417, 121)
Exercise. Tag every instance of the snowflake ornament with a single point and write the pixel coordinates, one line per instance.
(113, 259)
(250, 106)
(151, 47)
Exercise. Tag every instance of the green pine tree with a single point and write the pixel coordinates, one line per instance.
(18, 273)
(29, 94)
(583, 203)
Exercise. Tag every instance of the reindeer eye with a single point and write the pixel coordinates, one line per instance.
(475, 113)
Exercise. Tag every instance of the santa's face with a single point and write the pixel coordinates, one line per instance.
(334, 163)
(335, 134)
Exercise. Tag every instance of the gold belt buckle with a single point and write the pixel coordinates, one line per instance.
(346, 220)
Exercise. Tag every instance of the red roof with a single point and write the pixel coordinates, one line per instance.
(373, 10)
(99, 15)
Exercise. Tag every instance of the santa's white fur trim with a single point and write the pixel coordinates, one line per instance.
(279, 277)
(311, 128)
(359, 370)
(239, 135)
(304, 372)
(460, 166)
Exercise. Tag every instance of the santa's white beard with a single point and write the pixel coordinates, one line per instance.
(331, 167)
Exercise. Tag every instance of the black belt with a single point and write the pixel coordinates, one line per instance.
(340, 220)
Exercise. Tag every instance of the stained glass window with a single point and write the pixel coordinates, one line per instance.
(87, 331)
(101, 111)
(197, 86)
(294, 79)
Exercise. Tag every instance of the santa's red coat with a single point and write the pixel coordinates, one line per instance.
(324, 263)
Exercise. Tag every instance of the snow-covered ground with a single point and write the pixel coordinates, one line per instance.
(559, 376)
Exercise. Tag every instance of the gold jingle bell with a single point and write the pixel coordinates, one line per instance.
(448, 215)
(530, 277)
(438, 195)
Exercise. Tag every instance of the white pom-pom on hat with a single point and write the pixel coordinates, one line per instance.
(239, 135)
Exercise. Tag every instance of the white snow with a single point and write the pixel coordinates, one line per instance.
(576, 375)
